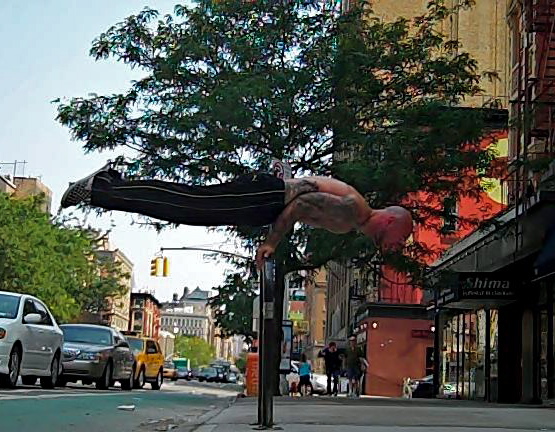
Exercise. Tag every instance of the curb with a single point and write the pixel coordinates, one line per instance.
(203, 419)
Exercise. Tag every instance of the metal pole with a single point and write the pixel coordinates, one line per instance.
(266, 346)
(437, 342)
(261, 344)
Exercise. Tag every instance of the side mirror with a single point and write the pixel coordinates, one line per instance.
(123, 344)
(32, 318)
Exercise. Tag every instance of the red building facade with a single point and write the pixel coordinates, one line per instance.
(397, 332)
(144, 316)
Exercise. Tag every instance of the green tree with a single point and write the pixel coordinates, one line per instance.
(229, 85)
(197, 350)
(50, 260)
(232, 306)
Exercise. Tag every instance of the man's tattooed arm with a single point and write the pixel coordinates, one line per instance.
(297, 187)
(320, 210)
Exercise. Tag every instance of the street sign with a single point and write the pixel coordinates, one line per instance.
(281, 169)
(255, 313)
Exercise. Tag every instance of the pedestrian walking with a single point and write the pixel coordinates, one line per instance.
(355, 364)
(332, 360)
(305, 371)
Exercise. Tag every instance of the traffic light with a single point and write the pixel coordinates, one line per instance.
(155, 266)
(166, 267)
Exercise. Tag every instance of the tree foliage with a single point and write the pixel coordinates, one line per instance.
(229, 85)
(232, 306)
(197, 350)
(54, 262)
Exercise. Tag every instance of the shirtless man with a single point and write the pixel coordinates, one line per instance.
(252, 200)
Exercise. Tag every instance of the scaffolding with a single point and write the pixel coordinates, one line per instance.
(532, 104)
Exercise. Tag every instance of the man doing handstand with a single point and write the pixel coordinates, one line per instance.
(251, 200)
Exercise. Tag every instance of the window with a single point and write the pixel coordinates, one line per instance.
(151, 347)
(29, 308)
(450, 215)
(41, 310)
(9, 306)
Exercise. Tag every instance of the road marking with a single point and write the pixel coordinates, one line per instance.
(56, 396)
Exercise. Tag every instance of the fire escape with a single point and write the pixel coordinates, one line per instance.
(532, 137)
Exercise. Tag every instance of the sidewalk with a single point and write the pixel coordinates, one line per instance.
(384, 415)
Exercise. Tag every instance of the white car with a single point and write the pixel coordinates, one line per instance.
(319, 382)
(30, 341)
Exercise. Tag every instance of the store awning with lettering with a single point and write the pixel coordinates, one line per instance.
(477, 290)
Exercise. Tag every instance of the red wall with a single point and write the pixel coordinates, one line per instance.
(393, 287)
(401, 356)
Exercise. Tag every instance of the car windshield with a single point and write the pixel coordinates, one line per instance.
(209, 371)
(169, 365)
(87, 335)
(136, 345)
(9, 305)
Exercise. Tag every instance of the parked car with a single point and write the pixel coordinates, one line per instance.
(170, 371)
(150, 362)
(30, 341)
(422, 387)
(318, 382)
(99, 354)
(222, 374)
(233, 377)
(184, 373)
(208, 374)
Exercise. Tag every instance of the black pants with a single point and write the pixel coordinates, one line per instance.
(252, 200)
(335, 377)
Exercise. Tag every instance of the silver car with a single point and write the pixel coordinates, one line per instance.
(30, 341)
(94, 353)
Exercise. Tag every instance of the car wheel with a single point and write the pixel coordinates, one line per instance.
(29, 380)
(50, 381)
(129, 383)
(104, 382)
(141, 379)
(9, 380)
(157, 384)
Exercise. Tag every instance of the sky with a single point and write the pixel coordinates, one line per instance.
(44, 56)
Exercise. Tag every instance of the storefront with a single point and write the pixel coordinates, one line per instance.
(469, 354)
(496, 334)
(398, 341)
(468, 351)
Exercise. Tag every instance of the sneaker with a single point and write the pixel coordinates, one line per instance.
(80, 191)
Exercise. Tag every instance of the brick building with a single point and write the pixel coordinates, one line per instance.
(144, 315)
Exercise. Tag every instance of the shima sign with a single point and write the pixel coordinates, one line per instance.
(476, 286)
(485, 286)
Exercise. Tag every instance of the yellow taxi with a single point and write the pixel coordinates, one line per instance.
(150, 361)
(170, 371)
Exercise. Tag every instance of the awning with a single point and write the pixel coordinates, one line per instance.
(477, 291)
(545, 263)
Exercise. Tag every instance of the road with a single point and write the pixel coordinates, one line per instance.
(80, 408)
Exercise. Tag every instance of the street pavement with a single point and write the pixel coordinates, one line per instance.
(179, 406)
(385, 415)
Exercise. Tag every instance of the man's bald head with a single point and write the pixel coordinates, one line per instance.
(389, 228)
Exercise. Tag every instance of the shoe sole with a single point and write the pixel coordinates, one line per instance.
(71, 188)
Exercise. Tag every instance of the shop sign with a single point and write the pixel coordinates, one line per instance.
(478, 286)
(422, 334)
(485, 286)
(296, 315)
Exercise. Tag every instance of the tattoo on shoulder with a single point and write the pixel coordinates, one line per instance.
(299, 187)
